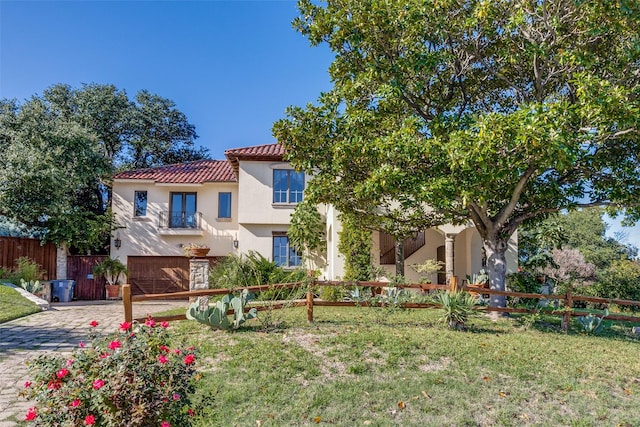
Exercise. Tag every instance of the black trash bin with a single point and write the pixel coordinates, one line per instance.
(62, 290)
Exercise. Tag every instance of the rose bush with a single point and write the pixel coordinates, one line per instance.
(132, 377)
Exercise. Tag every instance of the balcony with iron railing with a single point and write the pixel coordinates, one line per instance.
(180, 223)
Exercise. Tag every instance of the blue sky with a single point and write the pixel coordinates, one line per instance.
(231, 66)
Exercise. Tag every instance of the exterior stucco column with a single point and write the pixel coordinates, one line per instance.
(449, 254)
(199, 277)
(61, 264)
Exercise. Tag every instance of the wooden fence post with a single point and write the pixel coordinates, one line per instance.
(568, 305)
(453, 284)
(310, 303)
(126, 301)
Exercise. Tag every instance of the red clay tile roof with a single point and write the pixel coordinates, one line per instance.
(196, 172)
(200, 171)
(266, 152)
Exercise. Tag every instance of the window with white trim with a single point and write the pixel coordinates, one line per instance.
(283, 254)
(288, 186)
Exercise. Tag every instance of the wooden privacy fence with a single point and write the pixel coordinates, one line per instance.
(12, 248)
(310, 302)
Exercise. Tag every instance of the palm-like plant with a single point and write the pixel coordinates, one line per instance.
(112, 269)
(456, 306)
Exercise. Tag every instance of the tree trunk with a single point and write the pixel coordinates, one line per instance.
(399, 258)
(495, 249)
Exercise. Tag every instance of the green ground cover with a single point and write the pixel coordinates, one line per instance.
(13, 305)
(381, 367)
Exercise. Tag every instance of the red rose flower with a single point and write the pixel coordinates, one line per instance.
(114, 344)
(75, 403)
(188, 360)
(93, 323)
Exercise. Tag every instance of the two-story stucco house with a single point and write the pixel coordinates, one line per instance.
(243, 204)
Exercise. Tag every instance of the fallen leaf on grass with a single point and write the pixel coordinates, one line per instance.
(424, 393)
(401, 405)
(503, 394)
(626, 390)
(485, 378)
(317, 420)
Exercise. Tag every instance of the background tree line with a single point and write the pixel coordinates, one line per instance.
(573, 252)
(59, 150)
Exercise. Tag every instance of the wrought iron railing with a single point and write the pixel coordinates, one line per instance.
(180, 219)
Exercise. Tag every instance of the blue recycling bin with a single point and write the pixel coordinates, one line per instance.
(62, 290)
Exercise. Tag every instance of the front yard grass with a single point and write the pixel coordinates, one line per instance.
(381, 367)
(13, 305)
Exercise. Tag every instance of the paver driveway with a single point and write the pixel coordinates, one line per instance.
(56, 330)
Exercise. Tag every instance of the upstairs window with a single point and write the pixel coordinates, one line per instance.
(283, 254)
(224, 205)
(140, 203)
(183, 211)
(288, 186)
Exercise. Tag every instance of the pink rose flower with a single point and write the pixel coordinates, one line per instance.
(125, 326)
(31, 414)
(162, 359)
(27, 384)
(98, 384)
(176, 396)
(150, 322)
(188, 360)
(114, 344)
(75, 403)
(62, 373)
(165, 424)
(93, 323)
(81, 344)
(164, 324)
(89, 420)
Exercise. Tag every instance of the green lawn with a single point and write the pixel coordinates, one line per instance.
(380, 367)
(13, 305)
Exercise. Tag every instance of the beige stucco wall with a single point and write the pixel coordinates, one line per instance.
(141, 235)
(256, 194)
(334, 267)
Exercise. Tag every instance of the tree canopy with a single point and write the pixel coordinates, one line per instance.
(59, 150)
(499, 113)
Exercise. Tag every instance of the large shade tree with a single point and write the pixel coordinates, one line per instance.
(58, 151)
(495, 112)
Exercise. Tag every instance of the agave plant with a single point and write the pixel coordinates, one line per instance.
(457, 307)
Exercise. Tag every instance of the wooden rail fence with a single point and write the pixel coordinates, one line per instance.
(310, 302)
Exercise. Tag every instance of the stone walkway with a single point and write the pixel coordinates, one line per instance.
(57, 330)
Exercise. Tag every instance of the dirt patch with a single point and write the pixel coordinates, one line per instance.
(436, 365)
(328, 366)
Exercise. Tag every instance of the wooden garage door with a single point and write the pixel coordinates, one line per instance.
(159, 274)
